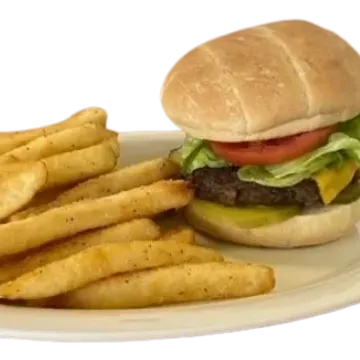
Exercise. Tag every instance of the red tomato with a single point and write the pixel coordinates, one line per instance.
(273, 151)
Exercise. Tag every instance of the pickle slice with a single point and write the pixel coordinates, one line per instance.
(244, 217)
(348, 195)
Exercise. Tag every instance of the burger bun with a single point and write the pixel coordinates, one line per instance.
(265, 82)
(308, 229)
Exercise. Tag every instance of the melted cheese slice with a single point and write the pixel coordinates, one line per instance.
(331, 181)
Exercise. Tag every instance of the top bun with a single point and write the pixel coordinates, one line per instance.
(264, 82)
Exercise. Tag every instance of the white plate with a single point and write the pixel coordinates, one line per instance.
(309, 282)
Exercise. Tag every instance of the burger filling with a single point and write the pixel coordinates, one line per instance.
(223, 186)
(311, 169)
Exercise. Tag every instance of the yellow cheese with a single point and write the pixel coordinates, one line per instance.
(331, 181)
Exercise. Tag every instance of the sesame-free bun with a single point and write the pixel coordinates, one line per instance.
(314, 228)
(265, 82)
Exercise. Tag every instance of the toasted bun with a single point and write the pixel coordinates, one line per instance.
(324, 226)
(264, 82)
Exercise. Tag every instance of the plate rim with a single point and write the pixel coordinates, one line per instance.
(341, 291)
(346, 297)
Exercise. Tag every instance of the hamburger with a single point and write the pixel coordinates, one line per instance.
(271, 116)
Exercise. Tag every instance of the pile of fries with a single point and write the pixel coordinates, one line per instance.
(77, 231)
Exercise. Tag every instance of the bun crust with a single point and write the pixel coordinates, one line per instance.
(310, 229)
(268, 81)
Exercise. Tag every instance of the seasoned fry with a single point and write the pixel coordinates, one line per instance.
(10, 141)
(170, 285)
(43, 197)
(146, 201)
(121, 180)
(135, 230)
(93, 115)
(81, 164)
(63, 141)
(8, 169)
(77, 231)
(111, 183)
(17, 188)
(185, 235)
(99, 262)
(141, 229)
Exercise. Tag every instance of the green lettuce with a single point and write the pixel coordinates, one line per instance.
(340, 147)
(351, 127)
(344, 144)
(196, 153)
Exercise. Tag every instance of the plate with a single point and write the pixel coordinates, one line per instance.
(310, 281)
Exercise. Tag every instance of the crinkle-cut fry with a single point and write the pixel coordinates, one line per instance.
(99, 262)
(113, 182)
(65, 221)
(175, 284)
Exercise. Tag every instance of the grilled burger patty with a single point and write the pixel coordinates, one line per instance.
(223, 186)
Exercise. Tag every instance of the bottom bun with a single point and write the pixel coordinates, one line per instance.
(308, 229)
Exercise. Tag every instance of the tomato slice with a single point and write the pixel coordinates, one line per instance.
(274, 151)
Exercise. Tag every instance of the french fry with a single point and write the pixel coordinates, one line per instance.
(141, 229)
(93, 115)
(127, 178)
(62, 222)
(111, 183)
(78, 165)
(56, 143)
(43, 197)
(184, 235)
(135, 230)
(99, 262)
(8, 169)
(17, 188)
(182, 283)
(10, 141)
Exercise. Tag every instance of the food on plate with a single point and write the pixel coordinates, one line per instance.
(139, 229)
(74, 166)
(43, 197)
(56, 143)
(170, 285)
(272, 122)
(12, 140)
(72, 218)
(246, 218)
(58, 223)
(93, 115)
(113, 182)
(18, 187)
(348, 194)
(53, 157)
(171, 219)
(101, 261)
(181, 234)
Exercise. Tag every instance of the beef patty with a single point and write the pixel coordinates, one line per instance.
(223, 186)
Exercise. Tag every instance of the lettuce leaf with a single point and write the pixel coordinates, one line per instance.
(196, 153)
(339, 148)
(342, 145)
(351, 127)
